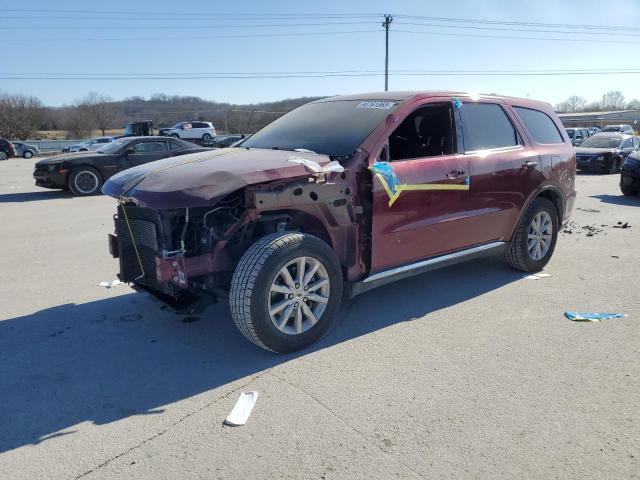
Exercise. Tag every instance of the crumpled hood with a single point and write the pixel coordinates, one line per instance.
(203, 178)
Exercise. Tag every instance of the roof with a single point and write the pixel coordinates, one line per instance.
(404, 95)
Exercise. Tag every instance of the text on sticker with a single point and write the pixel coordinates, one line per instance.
(380, 105)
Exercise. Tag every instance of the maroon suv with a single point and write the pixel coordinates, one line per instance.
(343, 195)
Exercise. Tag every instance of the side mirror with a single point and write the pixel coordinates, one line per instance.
(129, 151)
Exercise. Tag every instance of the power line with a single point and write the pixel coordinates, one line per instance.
(190, 37)
(525, 24)
(174, 27)
(472, 27)
(513, 37)
(369, 73)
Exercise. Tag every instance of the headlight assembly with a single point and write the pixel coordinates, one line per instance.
(600, 157)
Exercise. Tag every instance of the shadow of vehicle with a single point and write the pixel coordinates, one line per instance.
(619, 199)
(34, 196)
(110, 359)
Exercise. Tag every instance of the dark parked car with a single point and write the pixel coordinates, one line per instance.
(578, 135)
(345, 194)
(25, 150)
(628, 129)
(605, 151)
(83, 173)
(7, 150)
(630, 176)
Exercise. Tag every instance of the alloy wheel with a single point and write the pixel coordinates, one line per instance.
(298, 295)
(540, 236)
(86, 182)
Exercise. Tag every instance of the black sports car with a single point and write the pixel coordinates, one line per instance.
(83, 173)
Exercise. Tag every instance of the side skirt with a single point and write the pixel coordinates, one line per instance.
(385, 277)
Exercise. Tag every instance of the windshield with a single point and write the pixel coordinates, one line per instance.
(114, 146)
(570, 133)
(330, 128)
(601, 142)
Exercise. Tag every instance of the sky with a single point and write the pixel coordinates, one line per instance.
(46, 40)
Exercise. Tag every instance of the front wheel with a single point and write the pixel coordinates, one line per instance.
(85, 181)
(534, 240)
(28, 154)
(3, 156)
(285, 291)
(175, 135)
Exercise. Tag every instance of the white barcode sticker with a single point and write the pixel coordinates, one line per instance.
(379, 105)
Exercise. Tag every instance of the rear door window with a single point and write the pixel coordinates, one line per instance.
(486, 126)
(628, 143)
(539, 125)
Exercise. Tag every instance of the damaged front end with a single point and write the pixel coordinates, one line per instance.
(187, 254)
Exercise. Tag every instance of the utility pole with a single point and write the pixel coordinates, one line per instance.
(387, 23)
(602, 117)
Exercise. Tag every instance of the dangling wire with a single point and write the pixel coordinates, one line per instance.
(135, 247)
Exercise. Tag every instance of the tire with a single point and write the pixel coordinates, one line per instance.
(630, 192)
(27, 154)
(175, 135)
(3, 156)
(85, 181)
(206, 137)
(518, 254)
(251, 294)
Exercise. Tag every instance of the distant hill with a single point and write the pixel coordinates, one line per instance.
(165, 110)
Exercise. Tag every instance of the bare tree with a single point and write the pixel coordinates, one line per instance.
(633, 104)
(19, 115)
(613, 100)
(76, 120)
(100, 110)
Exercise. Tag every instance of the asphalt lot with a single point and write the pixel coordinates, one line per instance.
(467, 372)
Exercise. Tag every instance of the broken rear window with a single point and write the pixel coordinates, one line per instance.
(330, 128)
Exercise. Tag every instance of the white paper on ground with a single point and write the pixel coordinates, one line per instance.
(111, 284)
(315, 167)
(537, 276)
(242, 409)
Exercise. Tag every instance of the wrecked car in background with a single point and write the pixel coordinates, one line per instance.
(343, 195)
(605, 152)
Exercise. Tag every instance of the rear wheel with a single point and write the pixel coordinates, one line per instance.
(533, 242)
(3, 156)
(285, 291)
(85, 181)
(628, 191)
(206, 137)
(27, 154)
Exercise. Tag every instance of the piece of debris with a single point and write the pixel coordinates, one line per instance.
(315, 167)
(588, 210)
(131, 317)
(591, 316)
(537, 276)
(190, 319)
(622, 225)
(112, 284)
(242, 409)
(567, 231)
(615, 256)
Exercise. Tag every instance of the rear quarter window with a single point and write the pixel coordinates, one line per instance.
(539, 125)
(486, 126)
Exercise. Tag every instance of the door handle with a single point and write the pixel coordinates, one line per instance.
(529, 164)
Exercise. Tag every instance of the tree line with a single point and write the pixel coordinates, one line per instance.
(611, 101)
(24, 116)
